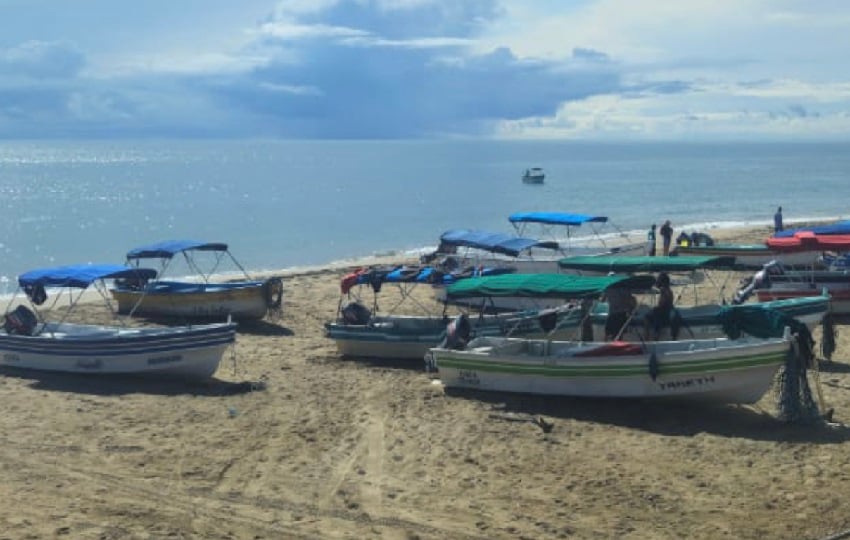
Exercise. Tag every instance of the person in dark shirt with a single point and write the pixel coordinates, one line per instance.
(650, 241)
(621, 304)
(777, 220)
(660, 315)
(667, 235)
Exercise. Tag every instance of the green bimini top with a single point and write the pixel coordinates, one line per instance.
(630, 264)
(543, 285)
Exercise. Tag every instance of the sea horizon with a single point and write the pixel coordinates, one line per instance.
(283, 204)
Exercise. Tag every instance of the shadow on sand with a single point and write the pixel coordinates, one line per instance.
(674, 418)
(111, 385)
(260, 327)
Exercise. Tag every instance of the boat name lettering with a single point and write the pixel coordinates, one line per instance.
(89, 363)
(10, 357)
(468, 377)
(165, 359)
(687, 383)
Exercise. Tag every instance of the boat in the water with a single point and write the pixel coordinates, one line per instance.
(534, 175)
(27, 341)
(199, 296)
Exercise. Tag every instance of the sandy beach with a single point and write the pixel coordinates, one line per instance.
(291, 441)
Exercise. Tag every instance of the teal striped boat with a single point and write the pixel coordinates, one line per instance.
(716, 370)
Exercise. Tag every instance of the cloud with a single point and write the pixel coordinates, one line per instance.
(39, 59)
(430, 68)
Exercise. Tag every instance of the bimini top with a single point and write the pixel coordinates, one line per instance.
(81, 275)
(544, 285)
(842, 227)
(555, 218)
(170, 248)
(493, 242)
(626, 264)
(809, 241)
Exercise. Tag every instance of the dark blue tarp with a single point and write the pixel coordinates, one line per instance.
(842, 227)
(81, 275)
(425, 274)
(555, 218)
(169, 248)
(493, 242)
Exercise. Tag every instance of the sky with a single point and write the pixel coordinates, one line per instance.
(618, 70)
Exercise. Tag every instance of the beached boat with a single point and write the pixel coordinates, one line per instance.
(718, 370)
(198, 296)
(700, 319)
(738, 368)
(29, 342)
(534, 175)
(359, 331)
(748, 256)
(564, 228)
(688, 322)
(774, 281)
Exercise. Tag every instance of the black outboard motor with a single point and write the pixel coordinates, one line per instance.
(760, 280)
(457, 333)
(21, 321)
(356, 313)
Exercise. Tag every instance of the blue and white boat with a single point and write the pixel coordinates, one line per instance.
(564, 227)
(28, 341)
(201, 296)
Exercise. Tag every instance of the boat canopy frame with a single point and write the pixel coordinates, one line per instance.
(165, 252)
(72, 281)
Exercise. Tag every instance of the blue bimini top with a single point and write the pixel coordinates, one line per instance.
(493, 242)
(81, 275)
(169, 248)
(555, 218)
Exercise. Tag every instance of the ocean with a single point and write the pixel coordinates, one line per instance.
(286, 204)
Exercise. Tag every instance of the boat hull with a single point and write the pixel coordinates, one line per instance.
(411, 337)
(716, 370)
(839, 303)
(192, 352)
(750, 256)
(195, 300)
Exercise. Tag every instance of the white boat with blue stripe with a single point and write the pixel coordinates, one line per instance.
(28, 341)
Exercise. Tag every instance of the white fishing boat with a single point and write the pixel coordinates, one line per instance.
(534, 175)
(29, 342)
(717, 370)
(359, 331)
(200, 295)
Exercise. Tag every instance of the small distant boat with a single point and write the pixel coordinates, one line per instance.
(534, 175)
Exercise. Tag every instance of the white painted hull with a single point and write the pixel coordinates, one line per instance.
(411, 337)
(179, 352)
(719, 370)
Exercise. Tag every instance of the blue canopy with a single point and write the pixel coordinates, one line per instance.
(493, 242)
(169, 248)
(81, 275)
(555, 218)
(842, 227)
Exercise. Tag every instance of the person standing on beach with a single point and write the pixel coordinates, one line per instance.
(650, 241)
(777, 220)
(667, 235)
